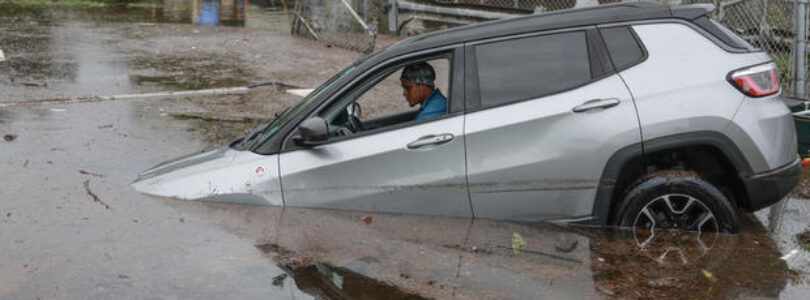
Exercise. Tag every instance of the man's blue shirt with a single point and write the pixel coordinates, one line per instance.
(434, 105)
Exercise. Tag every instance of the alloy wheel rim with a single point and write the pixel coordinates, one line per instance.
(674, 226)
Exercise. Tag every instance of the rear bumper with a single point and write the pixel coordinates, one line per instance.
(767, 188)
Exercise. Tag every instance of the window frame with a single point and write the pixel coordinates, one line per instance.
(705, 33)
(599, 59)
(455, 96)
(644, 52)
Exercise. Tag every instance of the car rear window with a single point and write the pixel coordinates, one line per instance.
(622, 45)
(526, 68)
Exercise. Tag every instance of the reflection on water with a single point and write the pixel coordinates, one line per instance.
(325, 281)
(65, 51)
(444, 257)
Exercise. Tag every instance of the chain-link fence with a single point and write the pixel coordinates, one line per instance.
(767, 24)
(340, 23)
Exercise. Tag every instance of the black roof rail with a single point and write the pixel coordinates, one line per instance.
(691, 11)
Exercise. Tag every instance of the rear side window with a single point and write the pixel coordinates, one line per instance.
(622, 45)
(530, 67)
(724, 34)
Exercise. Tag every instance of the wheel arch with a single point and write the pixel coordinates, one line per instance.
(619, 170)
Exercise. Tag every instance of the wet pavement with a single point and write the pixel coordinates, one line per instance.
(73, 228)
(65, 53)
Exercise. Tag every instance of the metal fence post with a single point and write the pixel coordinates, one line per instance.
(801, 48)
(392, 16)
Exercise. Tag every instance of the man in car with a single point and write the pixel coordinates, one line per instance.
(418, 88)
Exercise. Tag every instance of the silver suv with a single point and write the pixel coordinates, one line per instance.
(630, 114)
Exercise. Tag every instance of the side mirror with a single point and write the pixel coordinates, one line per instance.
(313, 132)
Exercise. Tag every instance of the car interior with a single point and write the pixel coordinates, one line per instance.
(379, 102)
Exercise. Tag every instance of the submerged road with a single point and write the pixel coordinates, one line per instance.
(72, 228)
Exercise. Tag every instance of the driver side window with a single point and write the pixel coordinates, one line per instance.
(412, 91)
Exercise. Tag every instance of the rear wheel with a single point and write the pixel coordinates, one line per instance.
(677, 200)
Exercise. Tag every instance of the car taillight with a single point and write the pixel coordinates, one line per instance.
(756, 81)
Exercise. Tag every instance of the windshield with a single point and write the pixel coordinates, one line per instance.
(267, 129)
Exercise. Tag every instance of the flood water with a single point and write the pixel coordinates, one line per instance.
(73, 228)
(66, 52)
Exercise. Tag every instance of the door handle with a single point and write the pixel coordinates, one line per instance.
(429, 140)
(596, 103)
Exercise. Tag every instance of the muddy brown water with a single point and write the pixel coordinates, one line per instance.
(72, 227)
(64, 244)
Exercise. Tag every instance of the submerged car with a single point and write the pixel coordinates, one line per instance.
(633, 114)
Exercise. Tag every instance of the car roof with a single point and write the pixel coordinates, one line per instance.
(609, 13)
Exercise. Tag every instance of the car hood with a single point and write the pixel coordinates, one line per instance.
(184, 162)
(218, 174)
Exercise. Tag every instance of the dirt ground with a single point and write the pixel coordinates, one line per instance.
(73, 228)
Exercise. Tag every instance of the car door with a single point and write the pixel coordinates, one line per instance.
(551, 112)
(416, 167)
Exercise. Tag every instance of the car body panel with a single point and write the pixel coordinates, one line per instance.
(377, 172)
(221, 174)
(538, 160)
(682, 85)
(763, 128)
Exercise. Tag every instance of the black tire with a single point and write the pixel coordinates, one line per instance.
(659, 200)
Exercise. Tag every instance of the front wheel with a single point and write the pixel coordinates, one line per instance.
(677, 200)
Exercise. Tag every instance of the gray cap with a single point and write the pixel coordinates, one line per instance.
(421, 73)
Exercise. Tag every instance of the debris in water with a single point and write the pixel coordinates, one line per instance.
(95, 197)
(607, 289)
(105, 126)
(300, 92)
(83, 172)
(662, 282)
(2, 57)
(279, 280)
(566, 245)
(122, 276)
(790, 254)
(25, 165)
(58, 109)
(10, 137)
(366, 219)
(35, 83)
(517, 242)
(708, 275)
(804, 239)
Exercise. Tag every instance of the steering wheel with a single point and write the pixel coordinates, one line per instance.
(353, 113)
